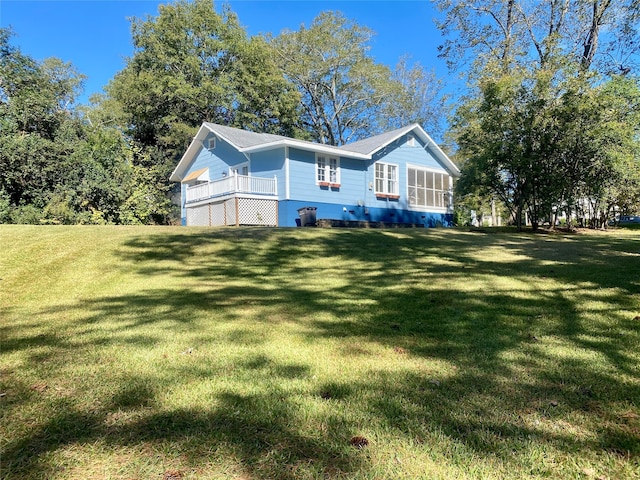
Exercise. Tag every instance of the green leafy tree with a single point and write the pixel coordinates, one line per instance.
(345, 94)
(56, 165)
(538, 127)
(192, 64)
(38, 128)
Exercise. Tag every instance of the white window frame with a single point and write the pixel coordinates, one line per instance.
(411, 140)
(434, 198)
(327, 170)
(211, 143)
(390, 186)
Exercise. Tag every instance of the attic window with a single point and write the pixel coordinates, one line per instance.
(411, 140)
(211, 143)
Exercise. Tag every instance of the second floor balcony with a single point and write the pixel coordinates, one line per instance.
(233, 184)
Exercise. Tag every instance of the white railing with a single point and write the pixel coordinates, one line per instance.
(233, 184)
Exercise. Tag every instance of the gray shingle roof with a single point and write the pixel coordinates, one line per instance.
(369, 145)
(250, 141)
(243, 138)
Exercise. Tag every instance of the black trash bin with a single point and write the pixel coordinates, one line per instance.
(307, 216)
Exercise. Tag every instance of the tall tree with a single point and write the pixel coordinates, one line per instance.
(595, 33)
(543, 148)
(37, 126)
(192, 64)
(345, 94)
(536, 128)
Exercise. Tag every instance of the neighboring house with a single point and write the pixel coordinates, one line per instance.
(235, 177)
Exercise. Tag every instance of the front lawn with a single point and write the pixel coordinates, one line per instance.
(178, 353)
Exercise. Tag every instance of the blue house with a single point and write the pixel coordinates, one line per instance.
(235, 177)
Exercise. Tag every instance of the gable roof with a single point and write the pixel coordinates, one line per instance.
(242, 139)
(370, 146)
(249, 142)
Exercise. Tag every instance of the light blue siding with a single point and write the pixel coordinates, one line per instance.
(269, 164)
(402, 155)
(302, 166)
(288, 213)
(302, 174)
(217, 160)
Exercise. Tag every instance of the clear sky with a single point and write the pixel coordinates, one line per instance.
(95, 35)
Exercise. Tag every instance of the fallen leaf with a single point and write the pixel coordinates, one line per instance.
(39, 387)
(630, 414)
(359, 442)
(553, 403)
(589, 472)
(172, 475)
(326, 395)
(399, 350)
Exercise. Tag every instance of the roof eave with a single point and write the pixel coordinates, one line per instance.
(443, 157)
(194, 147)
(401, 133)
(305, 146)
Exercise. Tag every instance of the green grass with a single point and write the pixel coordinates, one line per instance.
(146, 353)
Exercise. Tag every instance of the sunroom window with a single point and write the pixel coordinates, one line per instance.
(428, 188)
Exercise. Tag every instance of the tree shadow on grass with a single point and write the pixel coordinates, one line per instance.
(258, 431)
(510, 377)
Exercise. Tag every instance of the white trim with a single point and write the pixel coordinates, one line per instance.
(419, 132)
(308, 146)
(206, 201)
(211, 143)
(287, 188)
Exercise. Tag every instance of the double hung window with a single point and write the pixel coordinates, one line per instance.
(328, 171)
(386, 179)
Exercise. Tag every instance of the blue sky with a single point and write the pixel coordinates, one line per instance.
(95, 35)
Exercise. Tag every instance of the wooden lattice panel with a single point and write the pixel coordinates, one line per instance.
(255, 211)
(217, 216)
(198, 216)
(249, 211)
(230, 211)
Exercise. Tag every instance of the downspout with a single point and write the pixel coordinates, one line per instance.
(248, 157)
(287, 191)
